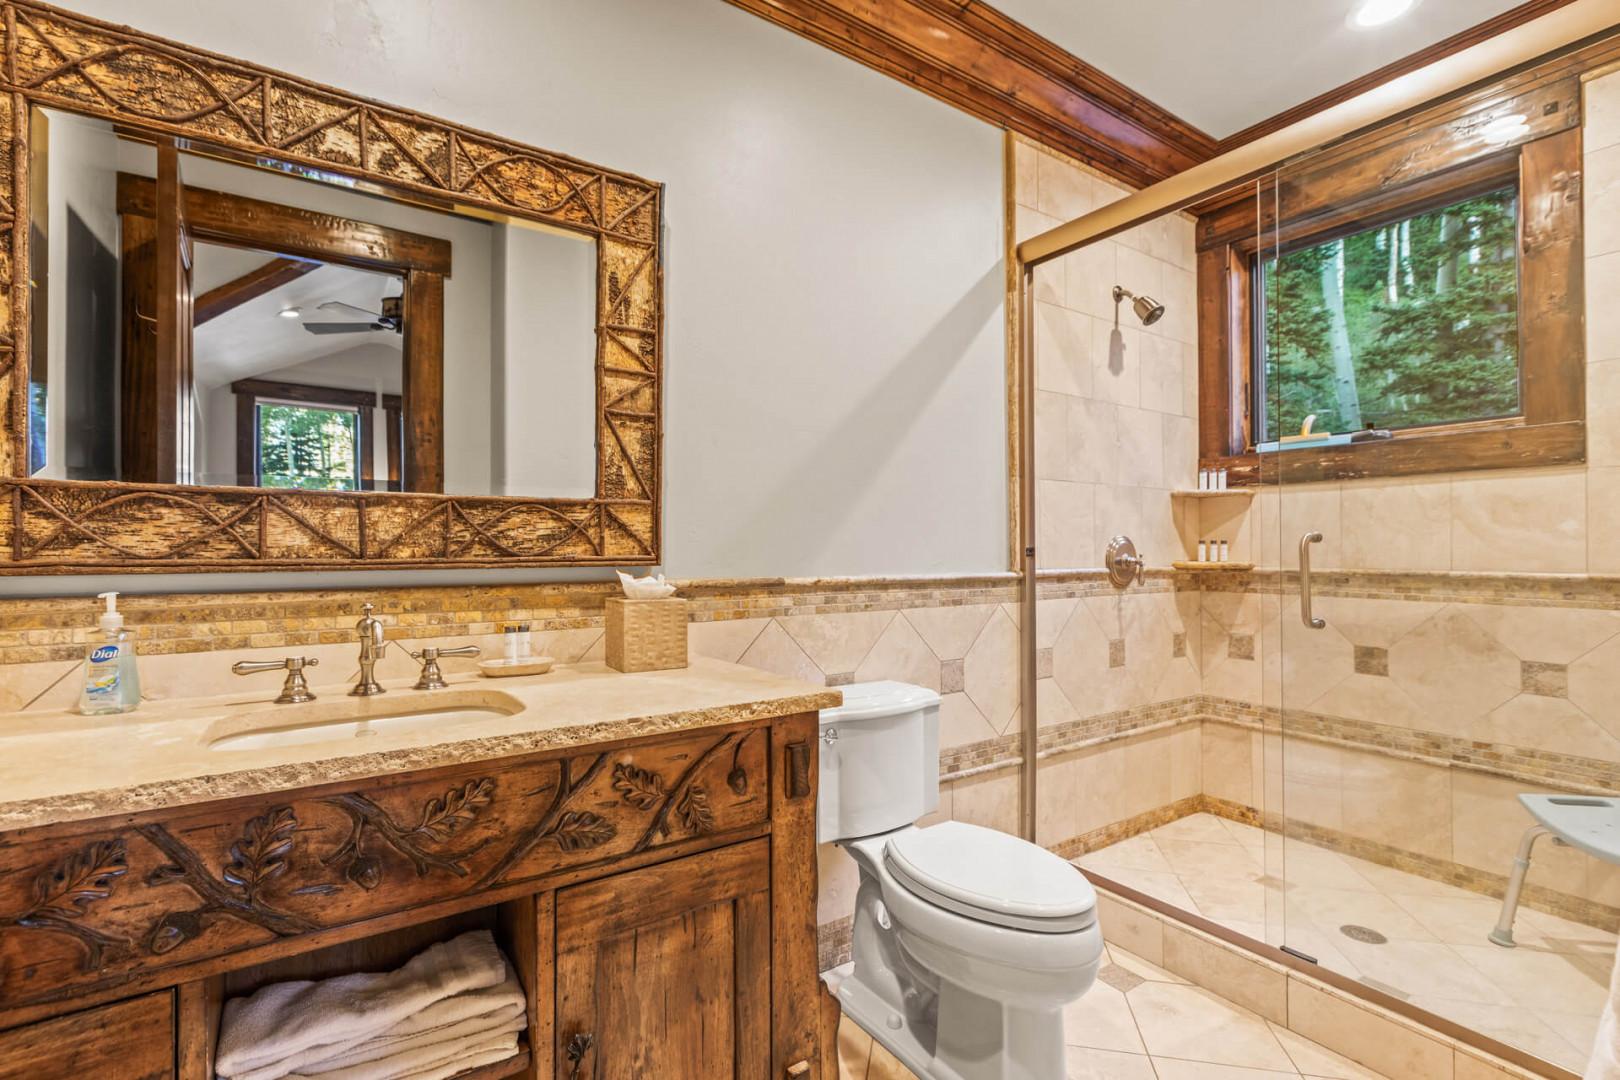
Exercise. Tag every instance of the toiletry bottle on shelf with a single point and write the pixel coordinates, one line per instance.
(112, 682)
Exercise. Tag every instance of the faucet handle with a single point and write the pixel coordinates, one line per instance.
(295, 691)
(433, 678)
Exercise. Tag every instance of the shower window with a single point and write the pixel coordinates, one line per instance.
(1419, 292)
(1410, 323)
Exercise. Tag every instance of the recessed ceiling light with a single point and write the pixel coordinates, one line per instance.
(289, 313)
(1371, 13)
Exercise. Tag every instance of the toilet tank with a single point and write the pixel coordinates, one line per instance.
(879, 760)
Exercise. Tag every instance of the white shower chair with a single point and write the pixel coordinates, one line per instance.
(1588, 823)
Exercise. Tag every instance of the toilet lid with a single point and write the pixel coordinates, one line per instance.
(992, 877)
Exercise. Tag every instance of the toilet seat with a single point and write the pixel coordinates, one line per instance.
(991, 877)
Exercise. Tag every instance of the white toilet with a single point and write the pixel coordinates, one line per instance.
(968, 942)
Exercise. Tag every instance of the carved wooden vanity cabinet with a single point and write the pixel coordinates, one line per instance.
(656, 896)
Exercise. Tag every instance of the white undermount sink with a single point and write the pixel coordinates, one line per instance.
(344, 719)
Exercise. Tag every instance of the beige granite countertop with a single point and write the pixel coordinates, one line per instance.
(59, 766)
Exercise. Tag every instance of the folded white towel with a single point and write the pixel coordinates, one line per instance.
(438, 1025)
(425, 1062)
(294, 1023)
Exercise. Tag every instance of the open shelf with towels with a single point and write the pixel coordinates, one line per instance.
(511, 924)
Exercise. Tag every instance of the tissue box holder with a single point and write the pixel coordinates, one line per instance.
(646, 635)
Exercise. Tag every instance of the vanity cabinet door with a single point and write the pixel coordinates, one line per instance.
(666, 971)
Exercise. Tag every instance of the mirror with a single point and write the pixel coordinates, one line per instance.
(204, 320)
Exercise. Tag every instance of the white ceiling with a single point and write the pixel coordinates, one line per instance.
(1223, 65)
(251, 340)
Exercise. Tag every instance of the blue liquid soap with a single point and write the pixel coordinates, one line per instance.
(112, 682)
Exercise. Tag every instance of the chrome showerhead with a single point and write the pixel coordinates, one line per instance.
(1147, 309)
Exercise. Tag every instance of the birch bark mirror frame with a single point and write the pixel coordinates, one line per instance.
(233, 114)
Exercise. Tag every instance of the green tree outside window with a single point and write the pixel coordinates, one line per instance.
(1411, 323)
(305, 447)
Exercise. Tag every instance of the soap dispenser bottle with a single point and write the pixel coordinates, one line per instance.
(112, 683)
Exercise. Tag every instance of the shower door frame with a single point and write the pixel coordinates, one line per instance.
(1563, 30)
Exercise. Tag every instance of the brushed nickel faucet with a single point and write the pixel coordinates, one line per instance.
(372, 644)
(295, 691)
(432, 677)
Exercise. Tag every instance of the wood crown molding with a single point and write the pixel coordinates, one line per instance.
(970, 55)
(1484, 31)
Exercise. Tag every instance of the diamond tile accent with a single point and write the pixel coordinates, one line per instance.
(950, 676)
(1120, 979)
(1116, 653)
(1178, 645)
(1372, 660)
(1240, 647)
(841, 678)
(1043, 663)
(1544, 680)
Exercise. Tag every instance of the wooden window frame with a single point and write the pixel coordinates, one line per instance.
(1415, 164)
(251, 393)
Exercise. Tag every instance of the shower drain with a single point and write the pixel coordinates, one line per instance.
(1364, 934)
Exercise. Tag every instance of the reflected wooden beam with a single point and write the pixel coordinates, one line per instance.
(250, 286)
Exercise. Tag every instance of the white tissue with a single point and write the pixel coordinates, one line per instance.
(651, 587)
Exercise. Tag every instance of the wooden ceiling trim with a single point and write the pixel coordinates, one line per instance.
(972, 56)
(1484, 31)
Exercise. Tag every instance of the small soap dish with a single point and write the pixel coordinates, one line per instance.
(504, 669)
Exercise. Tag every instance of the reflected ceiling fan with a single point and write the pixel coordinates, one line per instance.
(391, 317)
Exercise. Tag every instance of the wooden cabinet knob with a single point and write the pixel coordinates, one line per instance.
(798, 1069)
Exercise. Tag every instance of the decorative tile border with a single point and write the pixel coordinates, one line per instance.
(1437, 586)
(1108, 835)
(1591, 776)
(834, 941)
(36, 630)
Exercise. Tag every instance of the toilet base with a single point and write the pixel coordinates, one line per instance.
(984, 1041)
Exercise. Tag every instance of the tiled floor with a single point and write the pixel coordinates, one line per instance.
(1543, 996)
(1139, 1022)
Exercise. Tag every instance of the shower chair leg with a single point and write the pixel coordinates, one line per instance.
(1503, 934)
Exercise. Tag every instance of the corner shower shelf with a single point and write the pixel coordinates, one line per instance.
(1229, 493)
(1208, 567)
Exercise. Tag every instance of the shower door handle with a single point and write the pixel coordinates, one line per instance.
(1311, 622)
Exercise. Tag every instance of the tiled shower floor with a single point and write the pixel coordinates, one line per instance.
(1544, 996)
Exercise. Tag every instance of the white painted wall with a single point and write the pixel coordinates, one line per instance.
(836, 399)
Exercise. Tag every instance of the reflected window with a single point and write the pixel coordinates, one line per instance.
(304, 446)
(1411, 323)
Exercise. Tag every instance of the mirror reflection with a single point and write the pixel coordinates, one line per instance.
(204, 321)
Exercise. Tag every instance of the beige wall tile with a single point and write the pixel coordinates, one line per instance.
(1603, 503)
(1064, 525)
(1062, 189)
(1089, 279)
(990, 672)
(990, 800)
(1300, 508)
(1141, 448)
(1227, 764)
(1359, 1032)
(1603, 409)
(1392, 801)
(961, 722)
(1237, 976)
(775, 651)
(1395, 525)
(1454, 669)
(1602, 315)
(900, 654)
(837, 642)
(950, 631)
(1024, 166)
(1093, 432)
(1064, 341)
(1602, 112)
(1116, 368)
(1531, 521)
(1600, 196)
(1052, 460)
(725, 639)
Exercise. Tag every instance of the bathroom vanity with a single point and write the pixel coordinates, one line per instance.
(642, 846)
